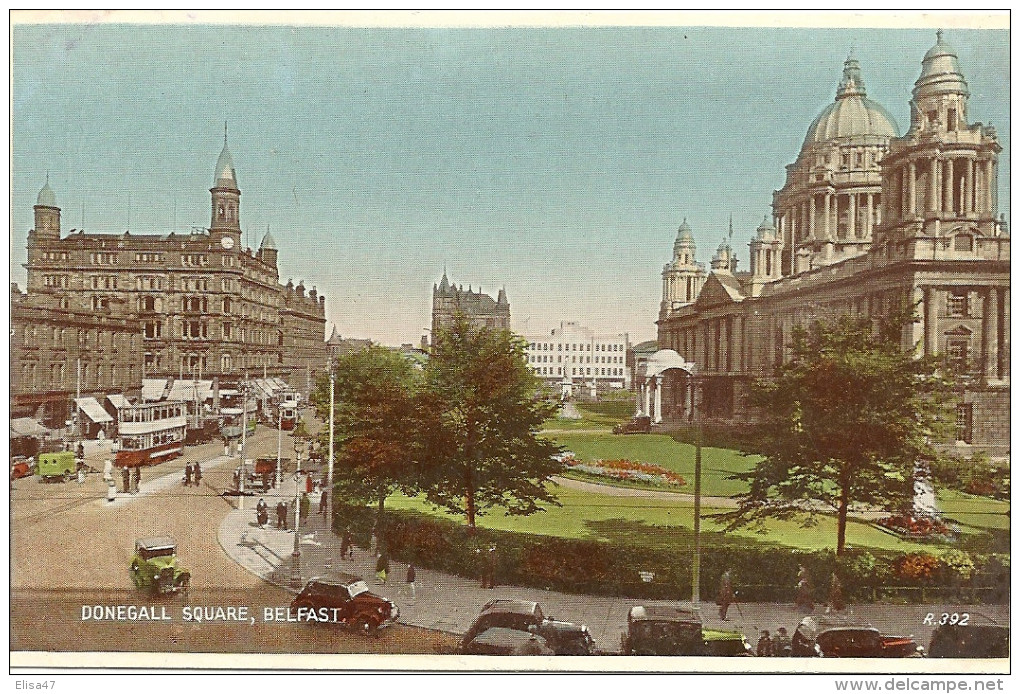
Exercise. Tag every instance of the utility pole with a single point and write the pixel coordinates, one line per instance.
(696, 567)
(279, 453)
(329, 468)
(244, 442)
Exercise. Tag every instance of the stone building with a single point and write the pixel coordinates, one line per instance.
(481, 310)
(208, 308)
(337, 346)
(576, 357)
(866, 222)
(58, 355)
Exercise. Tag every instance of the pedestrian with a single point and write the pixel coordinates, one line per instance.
(136, 486)
(188, 472)
(81, 472)
(836, 601)
(108, 470)
(345, 544)
(766, 649)
(281, 515)
(490, 567)
(410, 582)
(111, 491)
(725, 597)
(305, 507)
(262, 513)
(781, 644)
(125, 474)
(382, 568)
(804, 600)
(198, 473)
(322, 503)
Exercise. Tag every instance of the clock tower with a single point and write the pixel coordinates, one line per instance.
(225, 228)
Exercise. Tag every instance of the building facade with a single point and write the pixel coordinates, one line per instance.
(481, 310)
(59, 355)
(208, 308)
(867, 222)
(572, 355)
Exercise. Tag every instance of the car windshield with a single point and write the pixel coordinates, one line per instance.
(157, 552)
(357, 588)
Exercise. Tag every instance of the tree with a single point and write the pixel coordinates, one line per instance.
(485, 453)
(844, 422)
(379, 421)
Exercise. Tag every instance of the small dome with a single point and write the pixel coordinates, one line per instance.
(852, 114)
(268, 243)
(940, 71)
(684, 232)
(46, 198)
(225, 176)
(766, 230)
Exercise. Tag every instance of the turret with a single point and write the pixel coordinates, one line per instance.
(47, 214)
(267, 250)
(683, 276)
(225, 226)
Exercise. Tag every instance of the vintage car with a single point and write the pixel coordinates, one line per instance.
(503, 641)
(637, 425)
(57, 466)
(969, 641)
(663, 630)
(836, 637)
(564, 638)
(22, 467)
(723, 643)
(154, 566)
(345, 599)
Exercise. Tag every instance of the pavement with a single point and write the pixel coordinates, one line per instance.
(450, 603)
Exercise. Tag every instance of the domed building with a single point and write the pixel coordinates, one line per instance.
(683, 276)
(831, 203)
(866, 222)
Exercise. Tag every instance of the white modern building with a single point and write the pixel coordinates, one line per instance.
(575, 358)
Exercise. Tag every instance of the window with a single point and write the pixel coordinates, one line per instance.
(956, 304)
(965, 423)
(951, 118)
(100, 302)
(226, 304)
(963, 242)
(153, 329)
(147, 303)
(957, 352)
(59, 281)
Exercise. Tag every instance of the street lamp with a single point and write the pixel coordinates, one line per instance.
(696, 566)
(295, 567)
(329, 468)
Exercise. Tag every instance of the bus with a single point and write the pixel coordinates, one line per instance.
(150, 433)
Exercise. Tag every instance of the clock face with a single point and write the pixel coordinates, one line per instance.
(227, 242)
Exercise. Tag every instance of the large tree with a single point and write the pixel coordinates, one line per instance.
(486, 453)
(845, 422)
(379, 423)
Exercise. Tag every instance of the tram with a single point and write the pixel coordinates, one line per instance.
(286, 409)
(150, 433)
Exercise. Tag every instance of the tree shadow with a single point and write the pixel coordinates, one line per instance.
(633, 533)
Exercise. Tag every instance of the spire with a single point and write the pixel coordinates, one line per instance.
(852, 84)
(268, 242)
(444, 285)
(501, 299)
(46, 198)
(225, 175)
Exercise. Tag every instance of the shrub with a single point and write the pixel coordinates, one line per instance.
(918, 568)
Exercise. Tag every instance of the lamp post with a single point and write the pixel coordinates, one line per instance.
(695, 417)
(279, 453)
(329, 467)
(295, 566)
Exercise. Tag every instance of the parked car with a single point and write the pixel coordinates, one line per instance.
(969, 641)
(356, 607)
(637, 425)
(836, 637)
(503, 641)
(22, 467)
(663, 630)
(564, 638)
(154, 566)
(725, 643)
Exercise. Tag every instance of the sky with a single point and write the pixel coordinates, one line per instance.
(556, 162)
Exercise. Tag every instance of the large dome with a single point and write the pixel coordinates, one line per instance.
(852, 114)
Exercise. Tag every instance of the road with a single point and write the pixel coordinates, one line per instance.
(70, 548)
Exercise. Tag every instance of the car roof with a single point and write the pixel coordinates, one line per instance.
(156, 542)
(664, 613)
(502, 636)
(337, 579)
(816, 624)
(510, 605)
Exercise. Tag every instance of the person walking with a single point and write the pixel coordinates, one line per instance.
(188, 472)
(804, 600)
(198, 473)
(281, 515)
(410, 582)
(837, 603)
(305, 507)
(382, 568)
(781, 644)
(766, 649)
(322, 503)
(262, 513)
(725, 597)
(345, 544)
(125, 474)
(136, 487)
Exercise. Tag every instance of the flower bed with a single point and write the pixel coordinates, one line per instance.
(627, 470)
(917, 527)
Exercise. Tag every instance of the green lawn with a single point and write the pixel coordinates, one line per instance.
(658, 523)
(716, 463)
(975, 514)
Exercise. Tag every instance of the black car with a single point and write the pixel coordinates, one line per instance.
(967, 641)
(503, 641)
(663, 630)
(836, 637)
(564, 638)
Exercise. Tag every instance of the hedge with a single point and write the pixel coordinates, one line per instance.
(600, 567)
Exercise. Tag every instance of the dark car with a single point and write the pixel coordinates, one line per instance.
(344, 599)
(564, 638)
(637, 425)
(835, 637)
(503, 641)
(663, 630)
(966, 641)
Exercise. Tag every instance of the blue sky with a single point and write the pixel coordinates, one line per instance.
(557, 162)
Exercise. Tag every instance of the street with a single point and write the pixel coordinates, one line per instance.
(70, 549)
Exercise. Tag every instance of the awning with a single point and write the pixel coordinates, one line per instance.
(228, 392)
(93, 410)
(230, 410)
(26, 426)
(185, 390)
(118, 400)
(152, 388)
